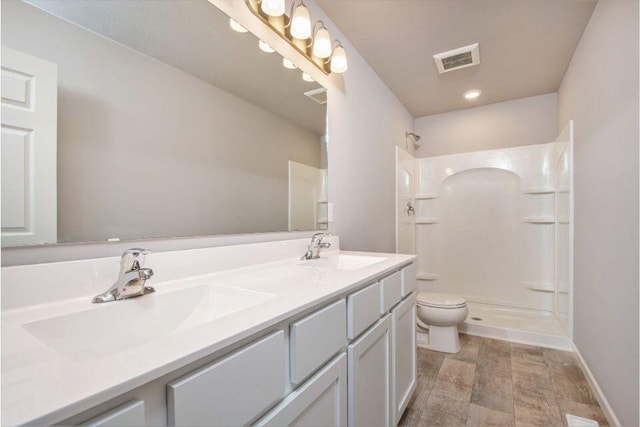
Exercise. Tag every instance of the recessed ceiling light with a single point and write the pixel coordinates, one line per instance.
(265, 47)
(237, 27)
(472, 94)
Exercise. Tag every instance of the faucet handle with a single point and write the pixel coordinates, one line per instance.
(133, 259)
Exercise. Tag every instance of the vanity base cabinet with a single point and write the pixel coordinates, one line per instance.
(369, 363)
(321, 401)
(233, 391)
(403, 356)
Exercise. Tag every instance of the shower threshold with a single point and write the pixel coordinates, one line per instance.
(524, 326)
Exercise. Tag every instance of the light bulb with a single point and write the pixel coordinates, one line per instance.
(237, 27)
(322, 43)
(288, 64)
(339, 60)
(272, 7)
(301, 22)
(265, 47)
(307, 78)
(472, 94)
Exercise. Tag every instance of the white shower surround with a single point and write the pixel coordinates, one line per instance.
(493, 226)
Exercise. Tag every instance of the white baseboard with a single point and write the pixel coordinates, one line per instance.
(602, 400)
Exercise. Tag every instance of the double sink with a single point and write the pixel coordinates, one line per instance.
(96, 330)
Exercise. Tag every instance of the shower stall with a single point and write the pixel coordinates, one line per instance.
(495, 227)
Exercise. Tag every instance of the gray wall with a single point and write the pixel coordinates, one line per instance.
(600, 92)
(146, 150)
(523, 121)
(366, 122)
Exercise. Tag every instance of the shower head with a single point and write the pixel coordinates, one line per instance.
(416, 137)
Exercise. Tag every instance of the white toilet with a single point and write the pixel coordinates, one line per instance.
(438, 318)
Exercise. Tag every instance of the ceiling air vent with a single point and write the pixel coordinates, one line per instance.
(457, 59)
(318, 95)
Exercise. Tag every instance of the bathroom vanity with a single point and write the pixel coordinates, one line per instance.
(246, 334)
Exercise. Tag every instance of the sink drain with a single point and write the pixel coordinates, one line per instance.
(479, 319)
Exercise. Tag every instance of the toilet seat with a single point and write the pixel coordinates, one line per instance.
(437, 300)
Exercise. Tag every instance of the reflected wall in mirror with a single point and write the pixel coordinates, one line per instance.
(144, 119)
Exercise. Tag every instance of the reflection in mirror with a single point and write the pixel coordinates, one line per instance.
(141, 119)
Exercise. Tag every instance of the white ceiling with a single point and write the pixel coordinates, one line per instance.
(194, 36)
(525, 46)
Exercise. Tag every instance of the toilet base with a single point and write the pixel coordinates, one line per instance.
(439, 338)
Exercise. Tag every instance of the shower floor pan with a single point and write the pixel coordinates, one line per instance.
(514, 324)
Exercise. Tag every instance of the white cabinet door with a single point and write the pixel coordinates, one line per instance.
(369, 360)
(403, 356)
(29, 137)
(321, 401)
(233, 391)
(128, 415)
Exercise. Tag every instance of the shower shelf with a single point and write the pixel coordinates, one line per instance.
(539, 286)
(425, 196)
(427, 220)
(539, 220)
(427, 276)
(538, 190)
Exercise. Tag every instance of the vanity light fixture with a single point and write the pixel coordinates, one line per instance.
(288, 64)
(272, 7)
(265, 47)
(300, 24)
(312, 41)
(307, 78)
(237, 27)
(472, 94)
(321, 42)
(338, 58)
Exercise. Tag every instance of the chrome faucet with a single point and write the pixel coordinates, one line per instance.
(130, 283)
(316, 245)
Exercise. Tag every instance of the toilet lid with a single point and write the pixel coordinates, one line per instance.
(440, 300)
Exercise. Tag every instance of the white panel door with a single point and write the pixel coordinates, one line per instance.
(403, 356)
(369, 388)
(405, 202)
(304, 193)
(29, 137)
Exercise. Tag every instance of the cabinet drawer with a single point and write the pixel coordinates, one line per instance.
(321, 401)
(409, 281)
(363, 309)
(129, 414)
(391, 291)
(232, 391)
(316, 338)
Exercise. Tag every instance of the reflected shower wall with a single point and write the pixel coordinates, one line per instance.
(491, 226)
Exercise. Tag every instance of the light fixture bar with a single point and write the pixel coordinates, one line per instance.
(321, 64)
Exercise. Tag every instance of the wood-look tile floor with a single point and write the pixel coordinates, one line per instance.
(497, 383)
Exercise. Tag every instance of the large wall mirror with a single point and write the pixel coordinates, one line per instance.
(134, 119)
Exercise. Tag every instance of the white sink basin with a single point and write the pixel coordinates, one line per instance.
(112, 327)
(343, 262)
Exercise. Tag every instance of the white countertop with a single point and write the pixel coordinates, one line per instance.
(43, 385)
